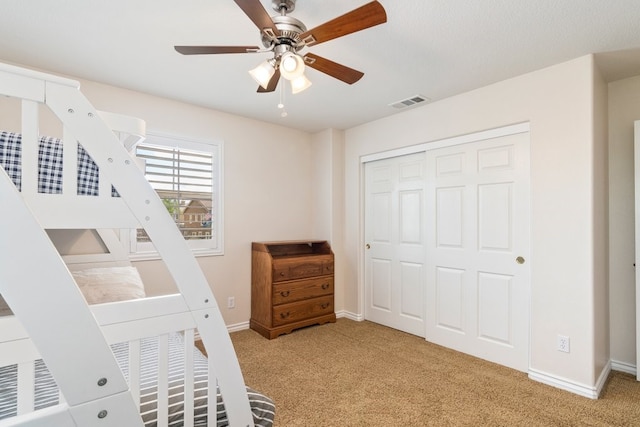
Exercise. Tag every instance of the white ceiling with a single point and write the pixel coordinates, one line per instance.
(435, 48)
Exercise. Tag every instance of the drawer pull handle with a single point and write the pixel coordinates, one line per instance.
(325, 305)
(282, 273)
(284, 315)
(284, 293)
(325, 286)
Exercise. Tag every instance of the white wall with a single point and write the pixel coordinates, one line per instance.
(624, 109)
(559, 103)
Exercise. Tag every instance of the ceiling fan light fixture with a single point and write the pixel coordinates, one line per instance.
(263, 73)
(291, 66)
(284, 36)
(299, 84)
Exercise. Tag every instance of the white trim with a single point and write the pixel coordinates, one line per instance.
(592, 392)
(349, 315)
(154, 255)
(237, 327)
(199, 248)
(361, 257)
(628, 368)
(602, 379)
(448, 142)
(636, 173)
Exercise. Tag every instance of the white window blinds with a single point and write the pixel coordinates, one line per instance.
(184, 181)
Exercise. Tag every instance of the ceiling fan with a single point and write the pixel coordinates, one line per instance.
(286, 36)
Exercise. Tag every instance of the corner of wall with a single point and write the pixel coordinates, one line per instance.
(328, 209)
(602, 348)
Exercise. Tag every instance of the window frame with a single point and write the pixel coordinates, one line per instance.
(139, 251)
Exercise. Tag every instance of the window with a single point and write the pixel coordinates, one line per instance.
(187, 176)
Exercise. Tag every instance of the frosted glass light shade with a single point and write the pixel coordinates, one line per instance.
(263, 73)
(299, 84)
(291, 66)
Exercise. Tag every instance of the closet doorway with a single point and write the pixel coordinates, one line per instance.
(447, 244)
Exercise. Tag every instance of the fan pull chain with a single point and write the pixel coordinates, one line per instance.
(281, 104)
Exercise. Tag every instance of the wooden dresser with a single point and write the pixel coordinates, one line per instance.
(291, 286)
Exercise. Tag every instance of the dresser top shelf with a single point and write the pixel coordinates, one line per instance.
(293, 248)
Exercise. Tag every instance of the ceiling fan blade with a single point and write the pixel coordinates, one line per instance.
(273, 83)
(366, 16)
(257, 13)
(207, 50)
(338, 71)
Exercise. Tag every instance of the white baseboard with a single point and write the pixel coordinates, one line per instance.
(592, 392)
(349, 315)
(628, 368)
(583, 390)
(238, 327)
(602, 379)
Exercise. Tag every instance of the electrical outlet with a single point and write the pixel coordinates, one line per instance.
(563, 343)
(231, 302)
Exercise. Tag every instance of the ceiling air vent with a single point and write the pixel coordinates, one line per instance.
(409, 102)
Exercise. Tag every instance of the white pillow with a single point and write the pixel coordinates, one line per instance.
(101, 285)
(110, 284)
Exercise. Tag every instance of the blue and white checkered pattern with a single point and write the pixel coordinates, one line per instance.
(10, 155)
(50, 154)
(87, 174)
(50, 165)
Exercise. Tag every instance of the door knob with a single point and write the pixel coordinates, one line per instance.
(368, 246)
(520, 260)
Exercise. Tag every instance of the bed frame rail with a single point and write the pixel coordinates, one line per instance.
(127, 322)
(78, 365)
(65, 209)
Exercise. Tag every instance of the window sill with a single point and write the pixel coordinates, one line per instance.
(154, 255)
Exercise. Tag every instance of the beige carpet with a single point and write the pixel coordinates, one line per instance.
(362, 374)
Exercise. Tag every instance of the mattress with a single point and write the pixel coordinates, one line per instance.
(46, 392)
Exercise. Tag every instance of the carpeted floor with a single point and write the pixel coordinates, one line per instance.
(363, 374)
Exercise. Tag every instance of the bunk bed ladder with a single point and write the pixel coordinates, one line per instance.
(30, 298)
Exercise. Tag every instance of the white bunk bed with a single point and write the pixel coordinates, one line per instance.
(126, 362)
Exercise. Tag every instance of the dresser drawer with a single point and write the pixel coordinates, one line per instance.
(301, 310)
(300, 267)
(286, 292)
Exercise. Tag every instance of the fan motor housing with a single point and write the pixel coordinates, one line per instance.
(290, 30)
